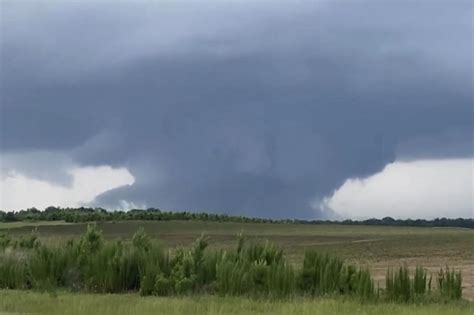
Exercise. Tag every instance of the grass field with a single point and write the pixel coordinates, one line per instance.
(374, 246)
(377, 247)
(20, 302)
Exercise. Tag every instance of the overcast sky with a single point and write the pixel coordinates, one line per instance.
(283, 109)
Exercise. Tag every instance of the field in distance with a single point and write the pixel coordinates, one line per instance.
(377, 247)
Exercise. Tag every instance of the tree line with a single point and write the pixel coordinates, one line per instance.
(84, 214)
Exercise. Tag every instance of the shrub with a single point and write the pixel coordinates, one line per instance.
(266, 252)
(420, 281)
(362, 285)
(147, 284)
(232, 276)
(450, 284)
(13, 274)
(163, 286)
(5, 241)
(30, 241)
(321, 274)
(92, 240)
(402, 288)
(257, 269)
(282, 280)
(140, 240)
(398, 286)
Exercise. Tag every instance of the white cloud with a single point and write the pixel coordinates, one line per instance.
(18, 191)
(125, 205)
(415, 189)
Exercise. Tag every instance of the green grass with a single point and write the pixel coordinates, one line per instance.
(21, 302)
(66, 303)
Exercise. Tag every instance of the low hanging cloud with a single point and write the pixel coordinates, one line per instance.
(248, 108)
(18, 191)
(414, 189)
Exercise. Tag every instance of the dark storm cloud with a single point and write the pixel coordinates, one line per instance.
(257, 109)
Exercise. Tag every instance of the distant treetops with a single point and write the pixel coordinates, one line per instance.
(83, 214)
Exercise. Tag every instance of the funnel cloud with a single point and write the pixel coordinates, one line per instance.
(262, 109)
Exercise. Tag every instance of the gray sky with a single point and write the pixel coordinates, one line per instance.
(260, 108)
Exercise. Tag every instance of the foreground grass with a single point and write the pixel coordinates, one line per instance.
(21, 302)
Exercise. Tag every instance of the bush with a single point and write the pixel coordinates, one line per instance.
(30, 241)
(321, 274)
(420, 282)
(398, 286)
(5, 241)
(163, 286)
(232, 276)
(141, 240)
(92, 240)
(13, 274)
(147, 285)
(362, 285)
(257, 269)
(450, 284)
